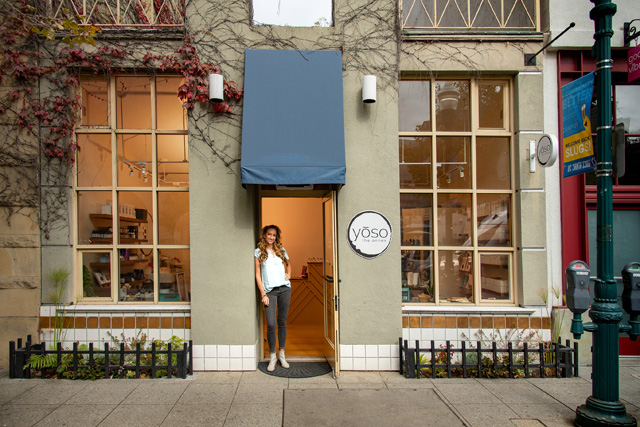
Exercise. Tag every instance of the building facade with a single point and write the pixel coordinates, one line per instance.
(165, 205)
(566, 60)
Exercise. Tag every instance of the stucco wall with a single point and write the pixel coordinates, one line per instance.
(562, 13)
(224, 297)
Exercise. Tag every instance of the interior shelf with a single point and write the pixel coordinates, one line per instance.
(95, 240)
(95, 265)
(122, 218)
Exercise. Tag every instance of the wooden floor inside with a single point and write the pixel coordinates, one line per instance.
(303, 340)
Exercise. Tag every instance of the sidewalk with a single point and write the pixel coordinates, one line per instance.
(256, 399)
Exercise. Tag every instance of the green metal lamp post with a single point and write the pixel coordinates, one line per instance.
(603, 407)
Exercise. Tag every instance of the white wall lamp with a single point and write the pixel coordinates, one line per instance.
(369, 89)
(216, 88)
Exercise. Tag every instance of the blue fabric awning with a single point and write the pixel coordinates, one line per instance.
(293, 120)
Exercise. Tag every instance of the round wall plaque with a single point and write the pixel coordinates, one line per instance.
(369, 234)
(547, 150)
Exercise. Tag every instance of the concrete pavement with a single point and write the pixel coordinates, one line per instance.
(256, 399)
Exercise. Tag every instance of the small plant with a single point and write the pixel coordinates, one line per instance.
(58, 277)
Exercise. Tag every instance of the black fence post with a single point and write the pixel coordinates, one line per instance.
(153, 359)
(27, 355)
(557, 352)
(400, 352)
(12, 359)
(107, 361)
(43, 371)
(58, 358)
(169, 369)
(464, 360)
(75, 356)
(526, 360)
(510, 353)
(433, 359)
(191, 358)
(121, 360)
(137, 360)
(479, 351)
(448, 353)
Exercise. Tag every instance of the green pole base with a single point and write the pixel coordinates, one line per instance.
(602, 413)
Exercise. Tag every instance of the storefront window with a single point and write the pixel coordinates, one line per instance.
(132, 207)
(455, 158)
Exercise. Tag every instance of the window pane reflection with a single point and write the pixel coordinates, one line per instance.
(95, 105)
(493, 153)
(173, 161)
(453, 157)
(455, 273)
(417, 276)
(133, 95)
(494, 220)
(452, 106)
(491, 108)
(169, 110)
(415, 162)
(416, 212)
(134, 161)
(495, 274)
(414, 108)
(94, 160)
(454, 219)
(627, 113)
(173, 218)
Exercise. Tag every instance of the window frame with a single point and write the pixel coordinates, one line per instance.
(114, 247)
(434, 191)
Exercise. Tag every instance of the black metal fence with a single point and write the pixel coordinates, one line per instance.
(545, 360)
(114, 363)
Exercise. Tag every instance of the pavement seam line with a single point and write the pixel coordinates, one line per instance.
(174, 405)
(450, 405)
(117, 405)
(226, 416)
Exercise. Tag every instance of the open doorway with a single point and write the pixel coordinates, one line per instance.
(301, 222)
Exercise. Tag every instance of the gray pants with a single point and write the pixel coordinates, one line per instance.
(278, 297)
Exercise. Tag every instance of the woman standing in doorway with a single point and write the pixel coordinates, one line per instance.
(273, 271)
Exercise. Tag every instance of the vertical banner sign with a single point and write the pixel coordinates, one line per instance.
(576, 126)
(633, 68)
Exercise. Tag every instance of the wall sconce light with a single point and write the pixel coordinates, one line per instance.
(130, 171)
(216, 88)
(144, 169)
(369, 89)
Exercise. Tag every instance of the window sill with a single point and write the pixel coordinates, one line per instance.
(49, 310)
(467, 310)
(449, 35)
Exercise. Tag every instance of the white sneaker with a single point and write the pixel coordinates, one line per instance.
(282, 360)
(272, 363)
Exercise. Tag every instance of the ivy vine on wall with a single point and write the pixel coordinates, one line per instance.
(41, 59)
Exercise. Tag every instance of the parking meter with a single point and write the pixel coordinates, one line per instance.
(631, 296)
(578, 299)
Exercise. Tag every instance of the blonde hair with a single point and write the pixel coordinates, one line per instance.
(277, 245)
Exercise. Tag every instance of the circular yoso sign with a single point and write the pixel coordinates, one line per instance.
(369, 234)
(547, 150)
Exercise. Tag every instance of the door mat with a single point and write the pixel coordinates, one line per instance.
(298, 369)
(366, 408)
